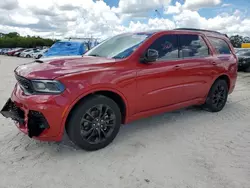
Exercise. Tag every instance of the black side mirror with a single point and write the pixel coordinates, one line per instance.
(150, 56)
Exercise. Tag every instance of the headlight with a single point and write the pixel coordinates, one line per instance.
(48, 86)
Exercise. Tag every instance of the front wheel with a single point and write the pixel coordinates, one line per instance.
(217, 96)
(94, 123)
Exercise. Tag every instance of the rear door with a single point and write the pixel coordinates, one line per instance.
(197, 67)
(225, 60)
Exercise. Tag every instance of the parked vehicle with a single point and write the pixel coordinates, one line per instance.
(66, 48)
(244, 60)
(5, 51)
(27, 53)
(127, 77)
(12, 52)
(39, 54)
(17, 54)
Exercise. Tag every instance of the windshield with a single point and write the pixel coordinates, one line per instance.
(118, 47)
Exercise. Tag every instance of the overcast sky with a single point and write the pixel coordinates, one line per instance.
(103, 18)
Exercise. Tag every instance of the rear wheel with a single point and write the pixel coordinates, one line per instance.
(94, 123)
(217, 96)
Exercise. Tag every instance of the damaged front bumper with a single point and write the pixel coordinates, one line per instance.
(31, 122)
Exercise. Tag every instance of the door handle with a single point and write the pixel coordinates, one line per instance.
(213, 63)
(177, 67)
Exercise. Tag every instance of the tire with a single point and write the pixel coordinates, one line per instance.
(39, 56)
(217, 96)
(90, 140)
(28, 56)
(247, 69)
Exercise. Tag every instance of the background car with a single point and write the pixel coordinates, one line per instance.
(39, 54)
(5, 51)
(17, 54)
(66, 48)
(243, 60)
(12, 52)
(27, 52)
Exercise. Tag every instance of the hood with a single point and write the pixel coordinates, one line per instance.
(59, 57)
(51, 69)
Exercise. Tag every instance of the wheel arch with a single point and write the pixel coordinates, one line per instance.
(224, 77)
(113, 94)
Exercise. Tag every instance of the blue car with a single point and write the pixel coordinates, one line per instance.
(66, 48)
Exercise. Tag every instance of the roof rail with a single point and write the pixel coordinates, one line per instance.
(203, 30)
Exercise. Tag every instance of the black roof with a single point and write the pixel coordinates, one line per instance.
(183, 29)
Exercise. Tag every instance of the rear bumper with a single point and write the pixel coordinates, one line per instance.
(40, 117)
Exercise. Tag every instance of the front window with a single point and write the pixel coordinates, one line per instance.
(118, 47)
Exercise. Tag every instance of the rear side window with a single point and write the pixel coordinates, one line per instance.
(167, 47)
(192, 46)
(220, 45)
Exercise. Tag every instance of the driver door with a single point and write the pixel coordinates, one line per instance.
(159, 83)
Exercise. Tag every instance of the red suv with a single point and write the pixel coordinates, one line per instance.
(127, 77)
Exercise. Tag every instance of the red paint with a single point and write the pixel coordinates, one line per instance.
(146, 89)
(11, 53)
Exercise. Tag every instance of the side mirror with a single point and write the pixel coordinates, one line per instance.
(150, 56)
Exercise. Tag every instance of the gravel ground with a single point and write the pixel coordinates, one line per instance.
(188, 148)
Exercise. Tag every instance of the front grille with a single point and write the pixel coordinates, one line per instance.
(25, 83)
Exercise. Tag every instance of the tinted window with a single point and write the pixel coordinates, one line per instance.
(192, 46)
(220, 45)
(167, 47)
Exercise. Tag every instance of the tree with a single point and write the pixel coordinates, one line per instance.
(12, 35)
(236, 41)
(246, 40)
(13, 39)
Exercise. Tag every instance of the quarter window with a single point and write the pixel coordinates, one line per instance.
(220, 45)
(192, 46)
(167, 47)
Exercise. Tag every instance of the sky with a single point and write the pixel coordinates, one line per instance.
(105, 18)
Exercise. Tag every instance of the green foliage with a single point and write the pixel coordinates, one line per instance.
(13, 40)
(237, 40)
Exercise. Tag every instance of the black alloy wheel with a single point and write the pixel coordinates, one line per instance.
(97, 124)
(94, 122)
(217, 96)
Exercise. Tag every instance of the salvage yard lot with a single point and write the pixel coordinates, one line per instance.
(186, 148)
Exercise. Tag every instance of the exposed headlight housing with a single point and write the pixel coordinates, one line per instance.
(47, 86)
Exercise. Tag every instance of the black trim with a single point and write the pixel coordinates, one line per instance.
(37, 123)
(25, 84)
(10, 110)
(202, 30)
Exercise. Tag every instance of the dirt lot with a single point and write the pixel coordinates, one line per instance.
(187, 148)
